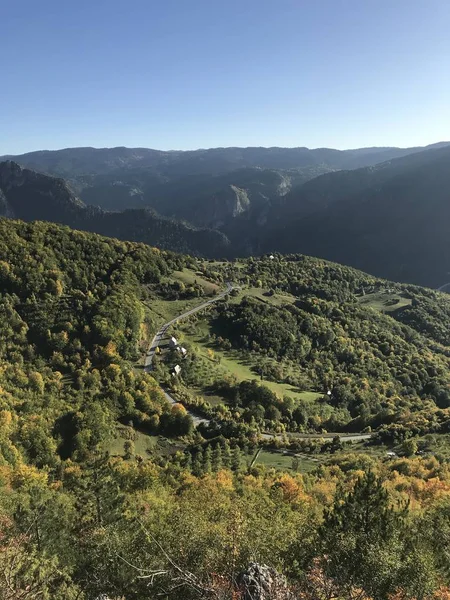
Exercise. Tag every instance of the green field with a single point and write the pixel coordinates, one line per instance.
(231, 362)
(284, 462)
(145, 444)
(351, 453)
(384, 301)
(189, 277)
(262, 294)
(166, 310)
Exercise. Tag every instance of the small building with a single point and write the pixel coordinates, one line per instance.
(173, 342)
(176, 370)
(272, 257)
(182, 351)
(391, 454)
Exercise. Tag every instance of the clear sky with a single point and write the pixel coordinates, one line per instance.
(182, 74)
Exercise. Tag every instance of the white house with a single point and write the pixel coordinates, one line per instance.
(176, 370)
(173, 342)
(182, 351)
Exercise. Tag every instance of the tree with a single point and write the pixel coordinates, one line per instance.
(226, 455)
(409, 447)
(197, 463)
(129, 449)
(207, 457)
(236, 459)
(36, 382)
(216, 460)
(360, 540)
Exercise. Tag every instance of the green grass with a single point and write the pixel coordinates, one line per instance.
(278, 460)
(231, 362)
(189, 277)
(283, 462)
(385, 301)
(142, 442)
(219, 263)
(166, 310)
(261, 294)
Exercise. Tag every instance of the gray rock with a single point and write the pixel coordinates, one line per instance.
(260, 582)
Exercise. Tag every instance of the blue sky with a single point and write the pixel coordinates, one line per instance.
(182, 74)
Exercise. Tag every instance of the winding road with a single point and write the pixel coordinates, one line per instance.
(345, 437)
(196, 419)
(162, 332)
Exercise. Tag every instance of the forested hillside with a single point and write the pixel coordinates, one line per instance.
(373, 354)
(29, 195)
(82, 162)
(107, 490)
(71, 316)
(389, 220)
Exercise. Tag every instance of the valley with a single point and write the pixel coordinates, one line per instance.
(297, 378)
(224, 300)
(380, 210)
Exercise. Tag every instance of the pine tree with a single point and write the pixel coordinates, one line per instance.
(187, 462)
(226, 455)
(361, 542)
(216, 460)
(207, 460)
(365, 511)
(236, 459)
(197, 463)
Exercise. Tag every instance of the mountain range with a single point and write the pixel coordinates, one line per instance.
(384, 210)
(28, 195)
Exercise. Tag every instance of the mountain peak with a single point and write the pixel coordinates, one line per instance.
(12, 174)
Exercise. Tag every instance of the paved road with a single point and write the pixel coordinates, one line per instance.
(345, 437)
(197, 420)
(162, 332)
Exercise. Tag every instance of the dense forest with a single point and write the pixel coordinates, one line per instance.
(375, 354)
(383, 210)
(71, 318)
(387, 219)
(28, 195)
(196, 516)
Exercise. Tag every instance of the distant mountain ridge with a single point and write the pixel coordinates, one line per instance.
(70, 161)
(389, 218)
(392, 219)
(208, 187)
(27, 195)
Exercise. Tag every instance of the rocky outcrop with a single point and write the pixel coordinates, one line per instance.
(31, 196)
(5, 209)
(260, 582)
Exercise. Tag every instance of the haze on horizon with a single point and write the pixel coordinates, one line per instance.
(214, 148)
(337, 74)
